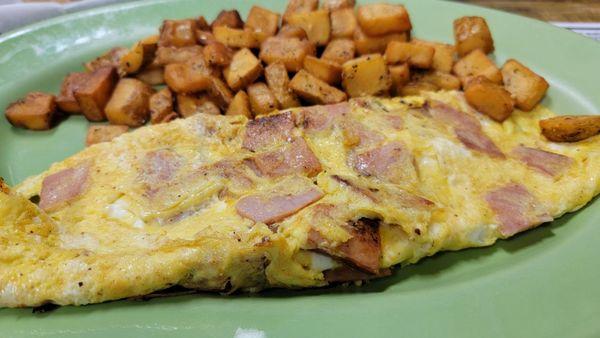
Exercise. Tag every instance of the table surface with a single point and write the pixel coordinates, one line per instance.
(548, 10)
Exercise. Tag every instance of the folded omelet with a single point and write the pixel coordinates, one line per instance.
(300, 198)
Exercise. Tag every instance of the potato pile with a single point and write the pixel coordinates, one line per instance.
(309, 55)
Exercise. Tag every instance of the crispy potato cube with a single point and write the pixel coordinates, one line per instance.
(326, 70)
(316, 24)
(66, 100)
(202, 23)
(244, 69)
(366, 75)
(339, 51)
(570, 128)
(240, 105)
(103, 133)
(204, 37)
(474, 64)
(443, 58)
(370, 45)
(220, 92)
(489, 98)
(299, 6)
(470, 33)
(333, 5)
(217, 54)
(169, 55)
(185, 78)
(343, 23)
(279, 83)
(128, 104)
(139, 55)
(161, 106)
(152, 76)
(417, 88)
(288, 31)
(263, 22)
(178, 33)
(4, 187)
(231, 19)
(188, 105)
(400, 75)
(262, 100)
(34, 112)
(236, 38)
(314, 90)
(527, 87)
(112, 58)
(416, 55)
(440, 79)
(93, 95)
(381, 19)
(290, 51)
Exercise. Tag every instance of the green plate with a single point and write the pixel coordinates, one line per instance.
(543, 283)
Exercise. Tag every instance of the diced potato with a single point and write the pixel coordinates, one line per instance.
(128, 104)
(188, 105)
(299, 6)
(279, 83)
(93, 95)
(4, 187)
(152, 76)
(240, 105)
(262, 100)
(204, 37)
(236, 38)
(381, 19)
(527, 87)
(316, 24)
(369, 45)
(416, 55)
(333, 5)
(474, 64)
(292, 32)
(366, 75)
(112, 58)
(103, 133)
(66, 100)
(217, 54)
(470, 33)
(570, 128)
(229, 19)
(202, 24)
(161, 106)
(440, 79)
(417, 88)
(185, 78)
(244, 69)
(168, 55)
(139, 55)
(343, 23)
(35, 111)
(400, 75)
(263, 22)
(443, 58)
(178, 33)
(290, 51)
(339, 51)
(220, 92)
(489, 98)
(326, 70)
(314, 90)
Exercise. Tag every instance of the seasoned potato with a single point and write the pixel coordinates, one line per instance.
(292, 32)
(244, 69)
(416, 55)
(229, 19)
(240, 105)
(103, 133)
(299, 6)
(470, 33)
(263, 22)
(168, 55)
(316, 24)
(262, 100)
(235, 38)
(139, 55)
(202, 24)
(474, 64)
(381, 19)
(370, 45)
(290, 51)
(185, 78)
(95, 92)
(339, 51)
(417, 88)
(112, 58)
(152, 76)
(314, 90)
(128, 104)
(220, 92)
(343, 23)
(4, 187)
(178, 33)
(489, 98)
(527, 87)
(326, 70)
(279, 83)
(443, 58)
(161, 106)
(217, 54)
(333, 5)
(204, 37)
(440, 79)
(66, 100)
(400, 75)
(188, 105)
(570, 128)
(34, 112)
(366, 75)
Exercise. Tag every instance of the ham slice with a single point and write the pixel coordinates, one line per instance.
(160, 166)
(63, 187)
(544, 161)
(297, 158)
(391, 161)
(348, 274)
(516, 209)
(268, 130)
(318, 118)
(358, 135)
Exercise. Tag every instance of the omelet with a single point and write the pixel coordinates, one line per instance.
(299, 198)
